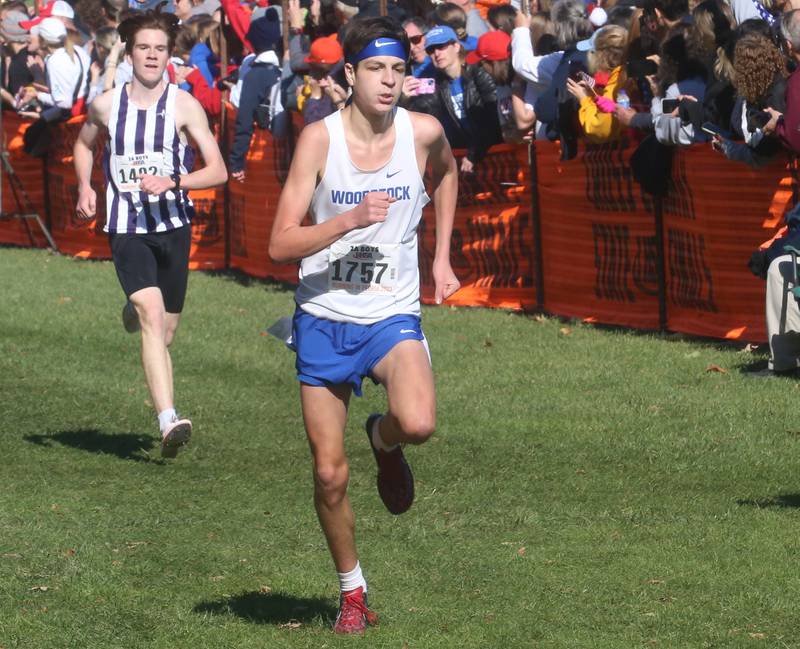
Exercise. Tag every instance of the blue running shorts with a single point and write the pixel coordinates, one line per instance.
(333, 353)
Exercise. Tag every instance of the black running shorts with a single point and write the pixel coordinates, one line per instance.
(160, 259)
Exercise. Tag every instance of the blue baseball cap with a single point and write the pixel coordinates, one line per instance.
(588, 44)
(440, 35)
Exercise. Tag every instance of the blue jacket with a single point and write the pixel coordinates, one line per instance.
(255, 89)
(202, 56)
(558, 109)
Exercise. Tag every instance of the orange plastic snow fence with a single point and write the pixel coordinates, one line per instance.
(492, 244)
(254, 201)
(598, 237)
(598, 253)
(716, 217)
(29, 172)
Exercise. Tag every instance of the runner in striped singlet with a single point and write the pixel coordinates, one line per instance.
(148, 213)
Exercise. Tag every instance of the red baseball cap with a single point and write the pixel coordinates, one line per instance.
(492, 46)
(54, 8)
(325, 50)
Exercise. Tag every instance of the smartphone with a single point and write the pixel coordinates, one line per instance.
(712, 129)
(588, 79)
(427, 86)
(668, 105)
(574, 68)
(641, 68)
(757, 119)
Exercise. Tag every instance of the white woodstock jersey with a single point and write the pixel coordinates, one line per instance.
(370, 273)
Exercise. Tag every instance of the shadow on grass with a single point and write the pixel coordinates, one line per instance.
(782, 501)
(757, 349)
(243, 279)
(270, 608)
(125, 446)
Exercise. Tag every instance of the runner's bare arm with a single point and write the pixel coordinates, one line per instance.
(291, 241)
(191, 117)
(83, 155)
(430, 136)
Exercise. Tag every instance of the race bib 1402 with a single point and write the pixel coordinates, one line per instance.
(128, 169)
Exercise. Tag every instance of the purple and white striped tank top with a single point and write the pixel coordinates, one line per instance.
(145, 141)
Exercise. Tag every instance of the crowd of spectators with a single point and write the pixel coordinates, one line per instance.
(674, 71)
(659, 73)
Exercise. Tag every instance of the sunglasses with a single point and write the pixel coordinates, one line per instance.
(416, 40)
(441, 46)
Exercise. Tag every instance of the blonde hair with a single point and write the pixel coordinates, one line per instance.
(206, 30)
(541, 24)
(610, 48)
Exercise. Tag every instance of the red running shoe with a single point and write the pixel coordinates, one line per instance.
(395, 480)
(354, 615)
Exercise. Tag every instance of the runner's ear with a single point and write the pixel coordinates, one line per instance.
(349, 73)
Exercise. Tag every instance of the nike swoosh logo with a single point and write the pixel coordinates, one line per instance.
(407, 331)
(388, 175)
(379, 44)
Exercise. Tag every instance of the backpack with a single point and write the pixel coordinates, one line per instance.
(270, 114)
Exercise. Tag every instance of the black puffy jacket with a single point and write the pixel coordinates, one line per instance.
(480, 107)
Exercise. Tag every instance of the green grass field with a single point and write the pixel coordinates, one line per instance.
(585, 487)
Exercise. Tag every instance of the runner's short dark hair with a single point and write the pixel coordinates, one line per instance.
(150, 19)
(363, 31)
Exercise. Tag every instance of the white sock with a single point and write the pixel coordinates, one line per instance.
(377, 440)
(352, 580)
(165, 418)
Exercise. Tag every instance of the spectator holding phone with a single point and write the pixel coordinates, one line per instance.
(535, 57)
(684, 74)
(493, 54)
(597, 91)
(556, 107)
(465, 100)
(760, 80)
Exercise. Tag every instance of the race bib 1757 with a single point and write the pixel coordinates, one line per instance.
(359, 268)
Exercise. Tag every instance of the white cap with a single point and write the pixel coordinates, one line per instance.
(598, 17)
(63, 9)
(51, 30)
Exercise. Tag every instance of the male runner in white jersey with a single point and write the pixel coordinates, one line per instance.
(148, 214)
(359, 174)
